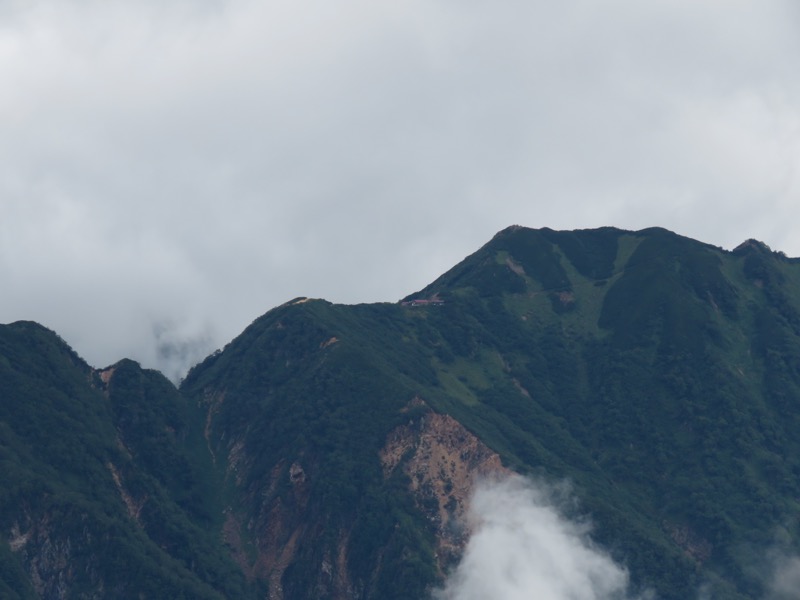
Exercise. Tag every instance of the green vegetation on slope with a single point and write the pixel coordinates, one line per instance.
(79, 510)
(659, 375)
(672, 413)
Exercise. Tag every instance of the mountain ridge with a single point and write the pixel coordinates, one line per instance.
(319, 453)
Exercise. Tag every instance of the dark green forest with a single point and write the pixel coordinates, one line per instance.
(658, 375)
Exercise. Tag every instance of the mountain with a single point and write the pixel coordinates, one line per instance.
(103, 491)
(330, 451)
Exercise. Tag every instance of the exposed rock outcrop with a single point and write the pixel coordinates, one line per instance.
(443, 461)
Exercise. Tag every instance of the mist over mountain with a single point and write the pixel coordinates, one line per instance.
(592, 414)
(523, 547)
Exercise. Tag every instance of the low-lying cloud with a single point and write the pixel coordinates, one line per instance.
(785, 584)
(785, 581)
(523, 547)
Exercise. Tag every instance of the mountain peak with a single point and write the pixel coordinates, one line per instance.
(752, 245)
(655, 373)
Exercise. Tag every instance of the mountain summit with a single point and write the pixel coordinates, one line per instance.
(331, 451)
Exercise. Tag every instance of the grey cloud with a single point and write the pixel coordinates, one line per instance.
(215, 159)
(177, 351)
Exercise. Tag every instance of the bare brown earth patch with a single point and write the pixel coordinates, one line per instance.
(695, 547)
(107, 374)
(266, 545)
(443, 461)
(134, 506)
(329, 342)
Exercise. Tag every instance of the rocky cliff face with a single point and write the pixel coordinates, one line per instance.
(48, 558)
(265, 543)
(443, 462)
(438, 458)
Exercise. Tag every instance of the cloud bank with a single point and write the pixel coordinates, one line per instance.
(523, 547)
(197, 163)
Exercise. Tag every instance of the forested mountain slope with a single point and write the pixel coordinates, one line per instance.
(102, 489)
(329, 451)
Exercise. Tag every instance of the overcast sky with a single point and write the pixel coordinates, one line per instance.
(172, 169)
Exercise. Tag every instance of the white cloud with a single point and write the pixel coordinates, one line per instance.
(522, 547)
(785, 583)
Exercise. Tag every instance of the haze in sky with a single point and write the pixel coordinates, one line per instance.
(171, 170)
